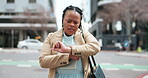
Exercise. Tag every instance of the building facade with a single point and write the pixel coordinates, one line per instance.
(112, 28)
(111, 34)
(20, 19)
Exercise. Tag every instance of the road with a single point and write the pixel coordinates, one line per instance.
(25, 65)
(21, 65)
(115, 66)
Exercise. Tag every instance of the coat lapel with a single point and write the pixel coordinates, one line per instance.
(58, 36)
(78, 38)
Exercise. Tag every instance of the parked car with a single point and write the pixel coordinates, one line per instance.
(30, 44)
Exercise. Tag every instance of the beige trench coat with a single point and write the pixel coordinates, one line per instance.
(52, 59)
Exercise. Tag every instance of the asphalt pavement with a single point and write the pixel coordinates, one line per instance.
(143, 54)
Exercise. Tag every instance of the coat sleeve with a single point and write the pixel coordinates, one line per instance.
(47, 60)
(90, 47)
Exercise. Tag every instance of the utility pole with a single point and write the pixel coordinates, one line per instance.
(12, 38)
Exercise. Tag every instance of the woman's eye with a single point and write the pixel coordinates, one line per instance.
(68, 21)
(75, 22)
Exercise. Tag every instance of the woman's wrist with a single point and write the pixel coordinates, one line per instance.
(69, 50)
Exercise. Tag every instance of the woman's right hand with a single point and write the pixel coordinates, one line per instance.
(74, 57)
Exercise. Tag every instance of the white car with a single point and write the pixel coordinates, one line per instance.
(30, 44)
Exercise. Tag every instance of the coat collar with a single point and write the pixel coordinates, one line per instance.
(77, 36)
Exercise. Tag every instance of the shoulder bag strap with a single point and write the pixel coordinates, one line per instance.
(91, 67)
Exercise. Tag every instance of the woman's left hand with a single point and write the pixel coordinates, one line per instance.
(60, 47)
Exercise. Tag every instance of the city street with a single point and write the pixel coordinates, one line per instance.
(116, 66)
(21, 65)
(120, 27)
(24, 64)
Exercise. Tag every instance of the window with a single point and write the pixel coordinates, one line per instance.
(1, 13)
(110, 42)
(10, 1)
(33, 42)
(32, 1)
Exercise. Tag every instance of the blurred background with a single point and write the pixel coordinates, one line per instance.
(121, 27)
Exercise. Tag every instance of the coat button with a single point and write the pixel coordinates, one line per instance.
(64, 62)
(75, 53)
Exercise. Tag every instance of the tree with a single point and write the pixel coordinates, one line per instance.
(33, 16)
(127, 11)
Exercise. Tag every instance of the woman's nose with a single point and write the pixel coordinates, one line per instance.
(72, 24)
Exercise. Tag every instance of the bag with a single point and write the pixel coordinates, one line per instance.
(96, 71)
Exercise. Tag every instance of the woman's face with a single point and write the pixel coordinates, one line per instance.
(71, 22)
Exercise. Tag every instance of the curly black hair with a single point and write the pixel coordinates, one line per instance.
(77, 9)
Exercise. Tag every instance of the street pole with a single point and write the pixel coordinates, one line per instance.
(12, 36)
(128, 26)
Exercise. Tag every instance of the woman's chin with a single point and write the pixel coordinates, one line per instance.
(69, 34)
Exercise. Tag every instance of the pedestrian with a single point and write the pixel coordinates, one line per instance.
(65, 52)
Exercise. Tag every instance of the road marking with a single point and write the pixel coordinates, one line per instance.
(32, 60)
(112, 69)
(145, 76)
(139, 69)
(6, 60)
(24, 65)
(106, 66)
(105, 63)
(130, 67)
(19, 63)
(128, 64)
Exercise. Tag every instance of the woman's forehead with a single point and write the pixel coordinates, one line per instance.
(72, 12)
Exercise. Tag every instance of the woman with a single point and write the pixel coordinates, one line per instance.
(66, 51)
